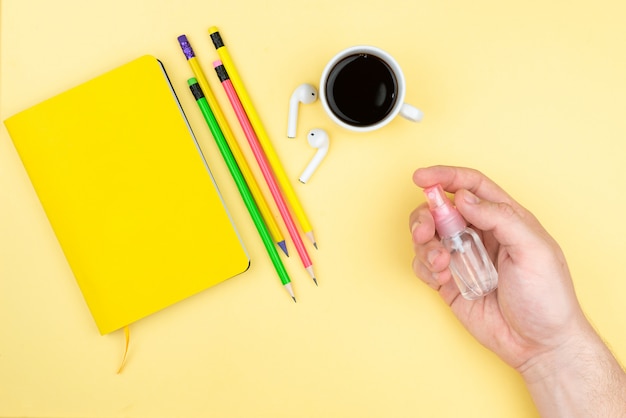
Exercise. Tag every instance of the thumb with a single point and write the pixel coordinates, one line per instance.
(506, 222)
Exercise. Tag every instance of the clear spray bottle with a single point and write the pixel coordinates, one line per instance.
(471, 268)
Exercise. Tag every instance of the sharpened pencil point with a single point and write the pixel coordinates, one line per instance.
(312, 238)
(283, 247)
(289, 289)
(311, 273)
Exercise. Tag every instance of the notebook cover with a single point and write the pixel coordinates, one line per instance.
(128, 193)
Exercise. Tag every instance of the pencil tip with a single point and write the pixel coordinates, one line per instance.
(315, 280)
(294, 299)
(312, 238)
(283, 247)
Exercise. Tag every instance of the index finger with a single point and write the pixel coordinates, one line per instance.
(456, 178)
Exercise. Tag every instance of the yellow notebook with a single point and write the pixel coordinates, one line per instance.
(128, 193)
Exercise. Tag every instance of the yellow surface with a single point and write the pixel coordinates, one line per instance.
(127, 193)
(532, 93)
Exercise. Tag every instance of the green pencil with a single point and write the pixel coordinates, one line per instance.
(244, 190)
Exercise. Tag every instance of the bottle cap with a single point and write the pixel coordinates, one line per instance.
(448, 220)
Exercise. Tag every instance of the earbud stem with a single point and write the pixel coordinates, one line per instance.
(293, 118)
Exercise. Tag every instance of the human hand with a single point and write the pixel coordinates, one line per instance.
(534, 310)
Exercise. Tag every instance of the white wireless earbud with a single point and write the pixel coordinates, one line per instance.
(318, 138)
(306, 94)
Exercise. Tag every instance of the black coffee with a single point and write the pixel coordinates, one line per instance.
(361, 89)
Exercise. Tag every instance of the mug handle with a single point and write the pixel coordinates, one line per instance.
(411, 113)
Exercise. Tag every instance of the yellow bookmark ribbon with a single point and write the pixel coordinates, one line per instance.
(126, 344)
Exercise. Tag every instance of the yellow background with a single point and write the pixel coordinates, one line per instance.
(533, 93)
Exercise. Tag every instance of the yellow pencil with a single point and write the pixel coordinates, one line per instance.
(233, 144)
(262, 135)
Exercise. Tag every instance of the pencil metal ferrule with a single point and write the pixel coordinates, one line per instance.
(222, 74)
(217, 40)
(195, 88)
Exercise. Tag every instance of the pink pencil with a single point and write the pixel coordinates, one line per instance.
(264, 165)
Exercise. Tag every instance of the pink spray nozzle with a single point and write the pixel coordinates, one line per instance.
(448, 220)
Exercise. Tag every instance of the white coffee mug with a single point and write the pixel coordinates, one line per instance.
(362, 89)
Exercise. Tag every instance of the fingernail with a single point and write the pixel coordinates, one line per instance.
(414, 226)
(471, 198)
(432, 256)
